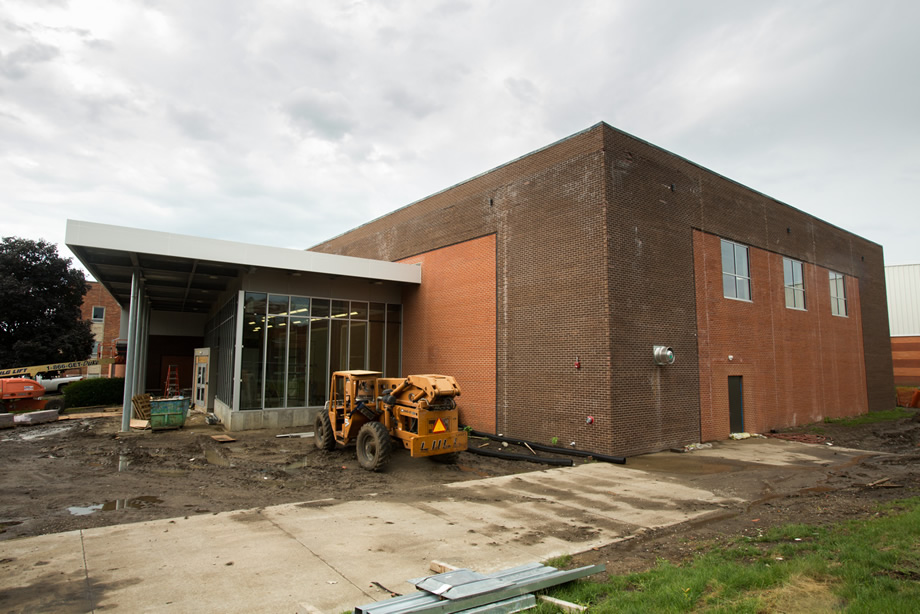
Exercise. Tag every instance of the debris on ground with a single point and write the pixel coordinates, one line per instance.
(510, 590)
(692, 447)
(799, 437)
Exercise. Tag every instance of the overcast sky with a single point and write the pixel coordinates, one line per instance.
(287, 123)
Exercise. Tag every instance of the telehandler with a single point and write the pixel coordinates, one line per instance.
(373, 412)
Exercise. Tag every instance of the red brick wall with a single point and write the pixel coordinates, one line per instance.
(905, 353)
(450, 324)
(98, 296)
(798, 366)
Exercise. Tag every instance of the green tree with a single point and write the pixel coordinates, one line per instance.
(40, 299)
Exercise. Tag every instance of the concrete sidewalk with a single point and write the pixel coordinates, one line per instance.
(327, 555)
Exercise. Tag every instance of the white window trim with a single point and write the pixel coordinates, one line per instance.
(835, 300)
(747, 277)
(793, 288)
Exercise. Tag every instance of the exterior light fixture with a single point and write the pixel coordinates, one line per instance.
(663, 355)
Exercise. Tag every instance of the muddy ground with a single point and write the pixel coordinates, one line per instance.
(82, 472)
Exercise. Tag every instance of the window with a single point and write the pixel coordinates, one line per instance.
(838, 294)
(794, 284)
(736, 276)
(98, 314)
(291, 344)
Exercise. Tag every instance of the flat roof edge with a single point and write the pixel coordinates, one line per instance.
(121, 238)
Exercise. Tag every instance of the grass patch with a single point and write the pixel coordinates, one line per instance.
(560, 562)
(887, 415)
(864, 565)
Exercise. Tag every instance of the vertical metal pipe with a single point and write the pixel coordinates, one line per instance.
(238, 352)
(132, 353)
(143, 326)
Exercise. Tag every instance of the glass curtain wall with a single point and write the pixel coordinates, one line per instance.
(291, 345)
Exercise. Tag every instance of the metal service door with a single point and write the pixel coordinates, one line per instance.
(735, 404)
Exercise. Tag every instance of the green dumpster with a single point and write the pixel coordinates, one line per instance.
(168, 413)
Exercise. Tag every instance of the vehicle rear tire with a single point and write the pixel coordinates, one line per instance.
(323, 436)
(374, 446)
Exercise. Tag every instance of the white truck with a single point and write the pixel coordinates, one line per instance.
(56, 384)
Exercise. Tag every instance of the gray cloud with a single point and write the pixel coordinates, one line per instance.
(522, 89)
(16, 65)
(319, 113)
(415, 103)
(333, 113)
(195, 124)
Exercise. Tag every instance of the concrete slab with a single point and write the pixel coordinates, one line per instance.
(375, 541)
(324, 556)
(6, 421)
(44, 574)
(232, 562)
(776, 452)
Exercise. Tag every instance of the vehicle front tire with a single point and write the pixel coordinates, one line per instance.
(374, 446)
(323, 436)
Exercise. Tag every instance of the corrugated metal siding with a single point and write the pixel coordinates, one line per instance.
(903, 284)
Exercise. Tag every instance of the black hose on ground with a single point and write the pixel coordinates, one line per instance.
(560, 462)
(619, 460)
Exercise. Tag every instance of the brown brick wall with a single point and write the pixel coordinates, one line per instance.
(661, 197)
(547, 213)
(594, 259)
(798, 366)
(905, 354)
(650, 270)
(451, 324)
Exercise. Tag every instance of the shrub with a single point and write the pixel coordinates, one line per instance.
(97, 391)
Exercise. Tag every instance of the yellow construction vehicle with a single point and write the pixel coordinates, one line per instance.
(373, 412)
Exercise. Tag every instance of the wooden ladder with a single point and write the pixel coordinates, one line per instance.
(172, 382)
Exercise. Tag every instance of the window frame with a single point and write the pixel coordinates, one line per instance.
(733, 272)
(838, 281)
(93, 314)
(797, 289)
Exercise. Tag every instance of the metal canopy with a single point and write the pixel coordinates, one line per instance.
(188, 274)
(170, 284)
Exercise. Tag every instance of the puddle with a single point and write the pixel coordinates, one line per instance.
(137, 503)
(123, 461)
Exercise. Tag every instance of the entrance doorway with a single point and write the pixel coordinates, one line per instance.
(202, 358)
(735, 404)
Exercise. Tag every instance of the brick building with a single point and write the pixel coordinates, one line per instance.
(548, 281)
(104, 312)
(903, 284)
